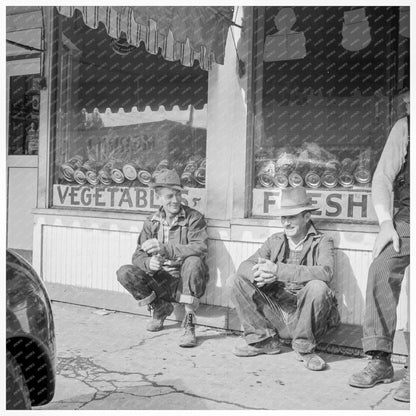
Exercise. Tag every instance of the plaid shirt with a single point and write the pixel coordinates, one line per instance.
(186, 237)
(163, 233)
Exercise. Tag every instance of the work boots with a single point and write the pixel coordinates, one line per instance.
(161, 310)
(378, 370)
(188, 339)
(402, 393)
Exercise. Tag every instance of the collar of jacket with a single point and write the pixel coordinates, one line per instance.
(312, 234)
(160, 215)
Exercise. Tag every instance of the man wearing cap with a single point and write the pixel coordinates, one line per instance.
(391, 256)
(282, 290)
(169, 261)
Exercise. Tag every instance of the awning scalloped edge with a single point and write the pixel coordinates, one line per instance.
(115, 23)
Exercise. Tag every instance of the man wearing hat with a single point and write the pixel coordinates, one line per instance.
(282, 290)
(169, 261)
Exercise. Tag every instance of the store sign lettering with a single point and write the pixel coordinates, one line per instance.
(124, 198)
(340, 205)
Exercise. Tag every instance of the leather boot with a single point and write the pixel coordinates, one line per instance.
(188, 339)
(402, 394)
(378, 370)
(161, 310)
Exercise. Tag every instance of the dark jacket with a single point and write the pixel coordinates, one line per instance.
(317, 258)
(188, 237)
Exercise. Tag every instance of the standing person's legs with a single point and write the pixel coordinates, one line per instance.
(382, 296)
(385, 278)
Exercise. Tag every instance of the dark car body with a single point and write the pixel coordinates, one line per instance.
(30, 336)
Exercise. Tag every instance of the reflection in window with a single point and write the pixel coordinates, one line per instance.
(122, 118)
(321, 121)
(24, 115)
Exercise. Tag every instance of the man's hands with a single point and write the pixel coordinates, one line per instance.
(265, 272)
(386, 234)
(155, 263)
(152, 246)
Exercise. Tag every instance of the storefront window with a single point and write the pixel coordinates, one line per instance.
(24, 115)
(123, 115)
(326, 79)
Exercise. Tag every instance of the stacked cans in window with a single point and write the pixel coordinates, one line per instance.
(313, 167)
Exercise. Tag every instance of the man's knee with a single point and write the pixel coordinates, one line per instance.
(236, 283)
(317, 289)
(193, 262)
(127, 272)
(193, 265)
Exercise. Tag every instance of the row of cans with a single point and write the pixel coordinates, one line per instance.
(315, 174)
(116, 172)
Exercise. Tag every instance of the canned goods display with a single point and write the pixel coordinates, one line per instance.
(363, 171)
(130, 171)
(266, 171)
(329, 177)
(68, 168)
(346, 176)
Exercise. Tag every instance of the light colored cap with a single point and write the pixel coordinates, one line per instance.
(294, 201)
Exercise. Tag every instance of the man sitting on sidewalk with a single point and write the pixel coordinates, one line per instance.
(282, 290)
(169, 261)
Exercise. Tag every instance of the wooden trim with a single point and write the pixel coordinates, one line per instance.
(24, 21)
(47, 109)
(22, 161)
(250, 113)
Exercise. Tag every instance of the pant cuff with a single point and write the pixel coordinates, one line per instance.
(188, 299)
(377, 343)
(303, 346)
(254, 338)
(147, 300)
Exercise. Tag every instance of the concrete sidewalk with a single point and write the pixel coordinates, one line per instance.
(107, 360)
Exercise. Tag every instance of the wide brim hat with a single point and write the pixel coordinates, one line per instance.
(167, 178)
(293, 201)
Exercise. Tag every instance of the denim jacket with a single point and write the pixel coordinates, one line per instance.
(317, 258)
(187, 237)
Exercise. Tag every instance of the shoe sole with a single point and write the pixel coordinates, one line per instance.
(154, 330)
(367, 386)
(306, 362)
(187, 345)
(254, 354)
(401, 400)
(162, 326)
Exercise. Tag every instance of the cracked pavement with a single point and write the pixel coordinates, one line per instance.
(111, 362)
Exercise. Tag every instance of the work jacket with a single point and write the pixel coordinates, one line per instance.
(187, 237)
(317, 258)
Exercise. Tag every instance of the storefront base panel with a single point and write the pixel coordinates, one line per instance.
(86, 251)
(207, 315)
(345, 339)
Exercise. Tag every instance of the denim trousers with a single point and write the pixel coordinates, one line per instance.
(384, 283)
(146, 287)
(273, 311)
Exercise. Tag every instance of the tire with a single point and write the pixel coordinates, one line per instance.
(17, 396)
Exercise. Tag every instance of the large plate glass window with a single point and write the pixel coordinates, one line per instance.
(325, 86)
(123, 115)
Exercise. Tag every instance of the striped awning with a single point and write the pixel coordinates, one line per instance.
(180, 33)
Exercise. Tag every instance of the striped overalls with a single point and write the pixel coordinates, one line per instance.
(386, 273)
